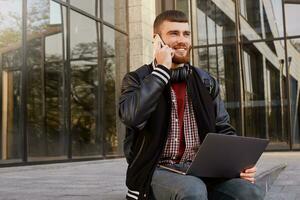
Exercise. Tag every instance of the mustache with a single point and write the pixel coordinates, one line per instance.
(182, 46)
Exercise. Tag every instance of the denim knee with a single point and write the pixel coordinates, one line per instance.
(238, 189)
(197, 191)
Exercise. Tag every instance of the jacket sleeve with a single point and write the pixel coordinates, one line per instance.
(222, 117)
(139, 97)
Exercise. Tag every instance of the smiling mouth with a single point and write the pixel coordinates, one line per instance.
(180, 50)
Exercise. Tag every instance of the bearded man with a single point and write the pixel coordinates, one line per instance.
(168, 107)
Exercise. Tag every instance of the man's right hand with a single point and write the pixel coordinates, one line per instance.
(164, 56)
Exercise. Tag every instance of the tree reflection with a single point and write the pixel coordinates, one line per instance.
(84, 86)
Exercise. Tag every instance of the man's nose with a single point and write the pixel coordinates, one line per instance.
(183, 39)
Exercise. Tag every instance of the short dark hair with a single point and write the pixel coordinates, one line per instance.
(171, 16)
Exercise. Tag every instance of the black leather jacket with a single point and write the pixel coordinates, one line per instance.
(144, 107)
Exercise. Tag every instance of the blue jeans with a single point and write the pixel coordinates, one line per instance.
(169, 185)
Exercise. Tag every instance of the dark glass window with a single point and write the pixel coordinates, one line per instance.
(296, 143)
(254, 92)
(294, 113)
(84, 85)
(10, 80)
(11, 140)
(114, 12)
(45, 92)
(62, 78)
(200, 58)
(261, 19)
(250, 10)
(88, 6)
(293, 47)
(221, 63)
(115, 65)
(214, 25)
(274, 107)
(183, 5)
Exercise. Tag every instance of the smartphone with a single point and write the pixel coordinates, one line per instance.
(157, 43)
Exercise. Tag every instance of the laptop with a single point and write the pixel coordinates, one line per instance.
(224, 156)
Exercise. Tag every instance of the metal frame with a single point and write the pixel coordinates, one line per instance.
(24, 71)
(67, 72)
(101, 86)
(292, 1)
(1, 107)
(240, 68)
(64, 75)
(287, 84)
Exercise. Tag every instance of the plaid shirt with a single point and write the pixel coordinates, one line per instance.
(190, 130)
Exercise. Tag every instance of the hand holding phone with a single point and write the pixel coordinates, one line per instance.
(158, 43)
(162, 53)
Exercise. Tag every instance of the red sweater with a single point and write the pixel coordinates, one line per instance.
(180, 91)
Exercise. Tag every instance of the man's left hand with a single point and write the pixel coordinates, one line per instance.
(249, 174)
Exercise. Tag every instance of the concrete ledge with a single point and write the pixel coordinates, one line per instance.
(266, 178)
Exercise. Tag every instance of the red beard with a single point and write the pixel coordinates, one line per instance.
(181, 59)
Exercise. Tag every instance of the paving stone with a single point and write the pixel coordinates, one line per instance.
(105, 180)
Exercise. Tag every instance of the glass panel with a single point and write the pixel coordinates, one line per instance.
(212, 61)
(229, 82)
(183, 6)
(294, 113)
(292, 16)
(84, 86)
(37, 139)
(53, 74)
(254, 92)
(45, 62)
(274, 107)
(215, 22)
(261, 19)
(11, 25)
(265, 96)
(296, 139)
(201, 28)
(243, 8)
(10, 57)
(11, 139)
(294, 66)
(115, 67)
(88, 6)
(114, 12)
(200, 58)
(272, 19)
(250, 10)
(222, 63)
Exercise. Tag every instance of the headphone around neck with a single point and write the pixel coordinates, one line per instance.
(180, 74)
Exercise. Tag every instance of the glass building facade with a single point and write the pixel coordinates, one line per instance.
(252, 49)
(62, 62)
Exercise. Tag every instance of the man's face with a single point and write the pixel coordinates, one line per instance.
(177, 35)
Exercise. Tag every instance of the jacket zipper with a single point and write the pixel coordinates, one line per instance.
(139, 152)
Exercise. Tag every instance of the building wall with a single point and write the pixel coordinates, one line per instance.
(141, 17)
